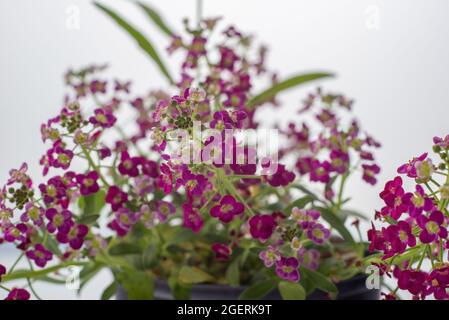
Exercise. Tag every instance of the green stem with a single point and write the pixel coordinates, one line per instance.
(16, 262)
(30, 285)
(4, 288)
(340, 192)
(199, 12)
(94, 166)
(39, 273)
(423, 255)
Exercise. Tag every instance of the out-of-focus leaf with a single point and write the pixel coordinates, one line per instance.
(258, 290)
(156, 18)
(91, 206)
(139, 285)
(233, 272)
(291, 291)
(336, 223)
(319, 280)
(300, 203)
(124, 248)
(110, 290)
(142, 41)
(191, 275)
(289, 83)
(352, 213)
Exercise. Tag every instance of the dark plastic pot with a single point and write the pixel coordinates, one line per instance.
(352, 289)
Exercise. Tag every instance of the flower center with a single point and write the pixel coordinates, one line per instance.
(88, 182)
(287, 269)
(317, 233)
(418, 200)
(226, 208)
(432, 227)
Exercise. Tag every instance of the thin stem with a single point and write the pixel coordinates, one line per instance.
(30, 285)
(199, 12)
(4, 288)
(340, 192)
(16, 262)
(94, 166)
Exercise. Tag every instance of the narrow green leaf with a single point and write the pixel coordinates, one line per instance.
(91, 206)
(300, 203)
(109, 292)
(143, 42)
(336, 223)
(352, 213)
(258, 290)
(191, 275)
(124, 248)
(233, 272)
(291, 291)
(156, 18)
(319, 280)
(139, 285)
(291, 82)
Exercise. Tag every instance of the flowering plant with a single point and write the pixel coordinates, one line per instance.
(413, 240)
(176, 194)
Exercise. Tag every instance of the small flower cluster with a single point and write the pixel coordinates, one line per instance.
(337, 150)
(417, 225)
(290, 241)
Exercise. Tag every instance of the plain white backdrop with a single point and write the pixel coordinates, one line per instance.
(390, 56)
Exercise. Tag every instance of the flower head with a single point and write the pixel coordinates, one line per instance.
(192, 218)
(40, 255)
(116, 197)
(270, 256)
(18, 294)
(318, 233)
(262, 226)
(88, 183)
(227, 209)
(308, 258)
(222, 251)
(287, 269)
(432, 227)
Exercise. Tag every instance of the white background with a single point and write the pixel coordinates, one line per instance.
(396, 70)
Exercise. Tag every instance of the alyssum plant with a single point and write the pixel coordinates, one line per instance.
(117, 196)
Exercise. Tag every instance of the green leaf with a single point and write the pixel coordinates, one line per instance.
(124, 248)
(336, 223)
(233, 272)
(143, 42)
(109, 292)
(319, 280)
(156, 18)
(258, 290)
(285, 85)
(291, 291)
(89, 219)
(300, 203)
(149, 258)
(91, 206)
(352, 213)
(179, 291)
(191, 275)
(139, 285)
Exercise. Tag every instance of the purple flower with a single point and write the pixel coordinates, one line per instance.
(441, 142)
(308, 258)
(432, 227)
(164, 209)
(195, 184)
(20, 176)
(262, 226)
(419, 202)
(129, 165)
(165, 180)
(369, 173)
(116, 197)
(287, 269)
(227, 59)
(227, 209)
(58, 220)
(270, 256)
(438, 281)
(124, 220)
(103, 118)
(88, 183)
(339, 161)
(97, 86)
(2, 271)
(40, 255)
(410, 167)
(74, 236)
(192, 218)
(282, 177)
(33, 213)
(396, 239)
(18, 294)
(319, 171)
(58, 157)
(305, 218)
(413, 281)
(222, 251)
(318, 233)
